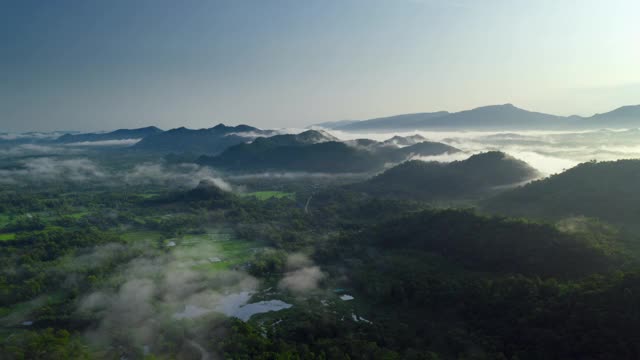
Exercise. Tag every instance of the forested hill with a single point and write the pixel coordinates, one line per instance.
(605, 190)
(498, 287)
(434, 180)
(493, 244)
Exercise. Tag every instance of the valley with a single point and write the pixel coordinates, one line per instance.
(158, 255)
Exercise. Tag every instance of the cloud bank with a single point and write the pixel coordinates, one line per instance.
(151, 290)
(122, 142)
(84, 170)
(549, 152)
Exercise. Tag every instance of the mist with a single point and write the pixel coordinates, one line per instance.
(550, 152)
(181, 175)
(152, 289)
(123, 142)
(302, 275)
(85, 170)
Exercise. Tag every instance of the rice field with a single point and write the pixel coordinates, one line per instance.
(266, 195)
(215, 250)
(140, 235)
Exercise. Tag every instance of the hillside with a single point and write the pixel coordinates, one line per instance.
(460, 179)
(120, 134)
(605, 190)
(491, 244)
(625, 116)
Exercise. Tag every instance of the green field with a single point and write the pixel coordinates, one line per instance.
(147, 195)
(7, 236)
(78, 215)
(265, 195)
(215, 250)
(131, 236)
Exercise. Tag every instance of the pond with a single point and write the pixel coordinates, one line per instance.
(234, 305)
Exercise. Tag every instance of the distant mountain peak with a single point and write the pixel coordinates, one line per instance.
(150, 128)
(201, 141)
(225, 129)
(244, 128)
(315, 136)
(405, 140)
(498, 107)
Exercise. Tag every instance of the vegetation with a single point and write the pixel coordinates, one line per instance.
(457, 180)
(202, 141)
(266, 195)
(103, 270)
(604, 190)
(313, 151)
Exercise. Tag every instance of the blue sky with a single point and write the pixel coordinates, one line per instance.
(90, 64)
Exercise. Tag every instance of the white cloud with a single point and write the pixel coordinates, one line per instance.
(183, 175)
(122, 142)
(302, 276)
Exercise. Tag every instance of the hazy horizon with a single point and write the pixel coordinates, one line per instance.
(302, 127)
(78, 65)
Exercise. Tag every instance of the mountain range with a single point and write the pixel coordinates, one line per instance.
(202, 141)
(180, 140)
(493, 117)
(120, 134)
(214, 140)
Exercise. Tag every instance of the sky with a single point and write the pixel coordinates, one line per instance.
(101, 65)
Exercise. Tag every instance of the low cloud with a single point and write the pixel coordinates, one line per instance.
(447, 157)
(302, 276)
(122, 142)
(31, 135)
(154, 288)
(547, 164)
(183, 175)
(52, 169)
(76, 170)
(549, 152)
(250, 135)
(33, 149)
